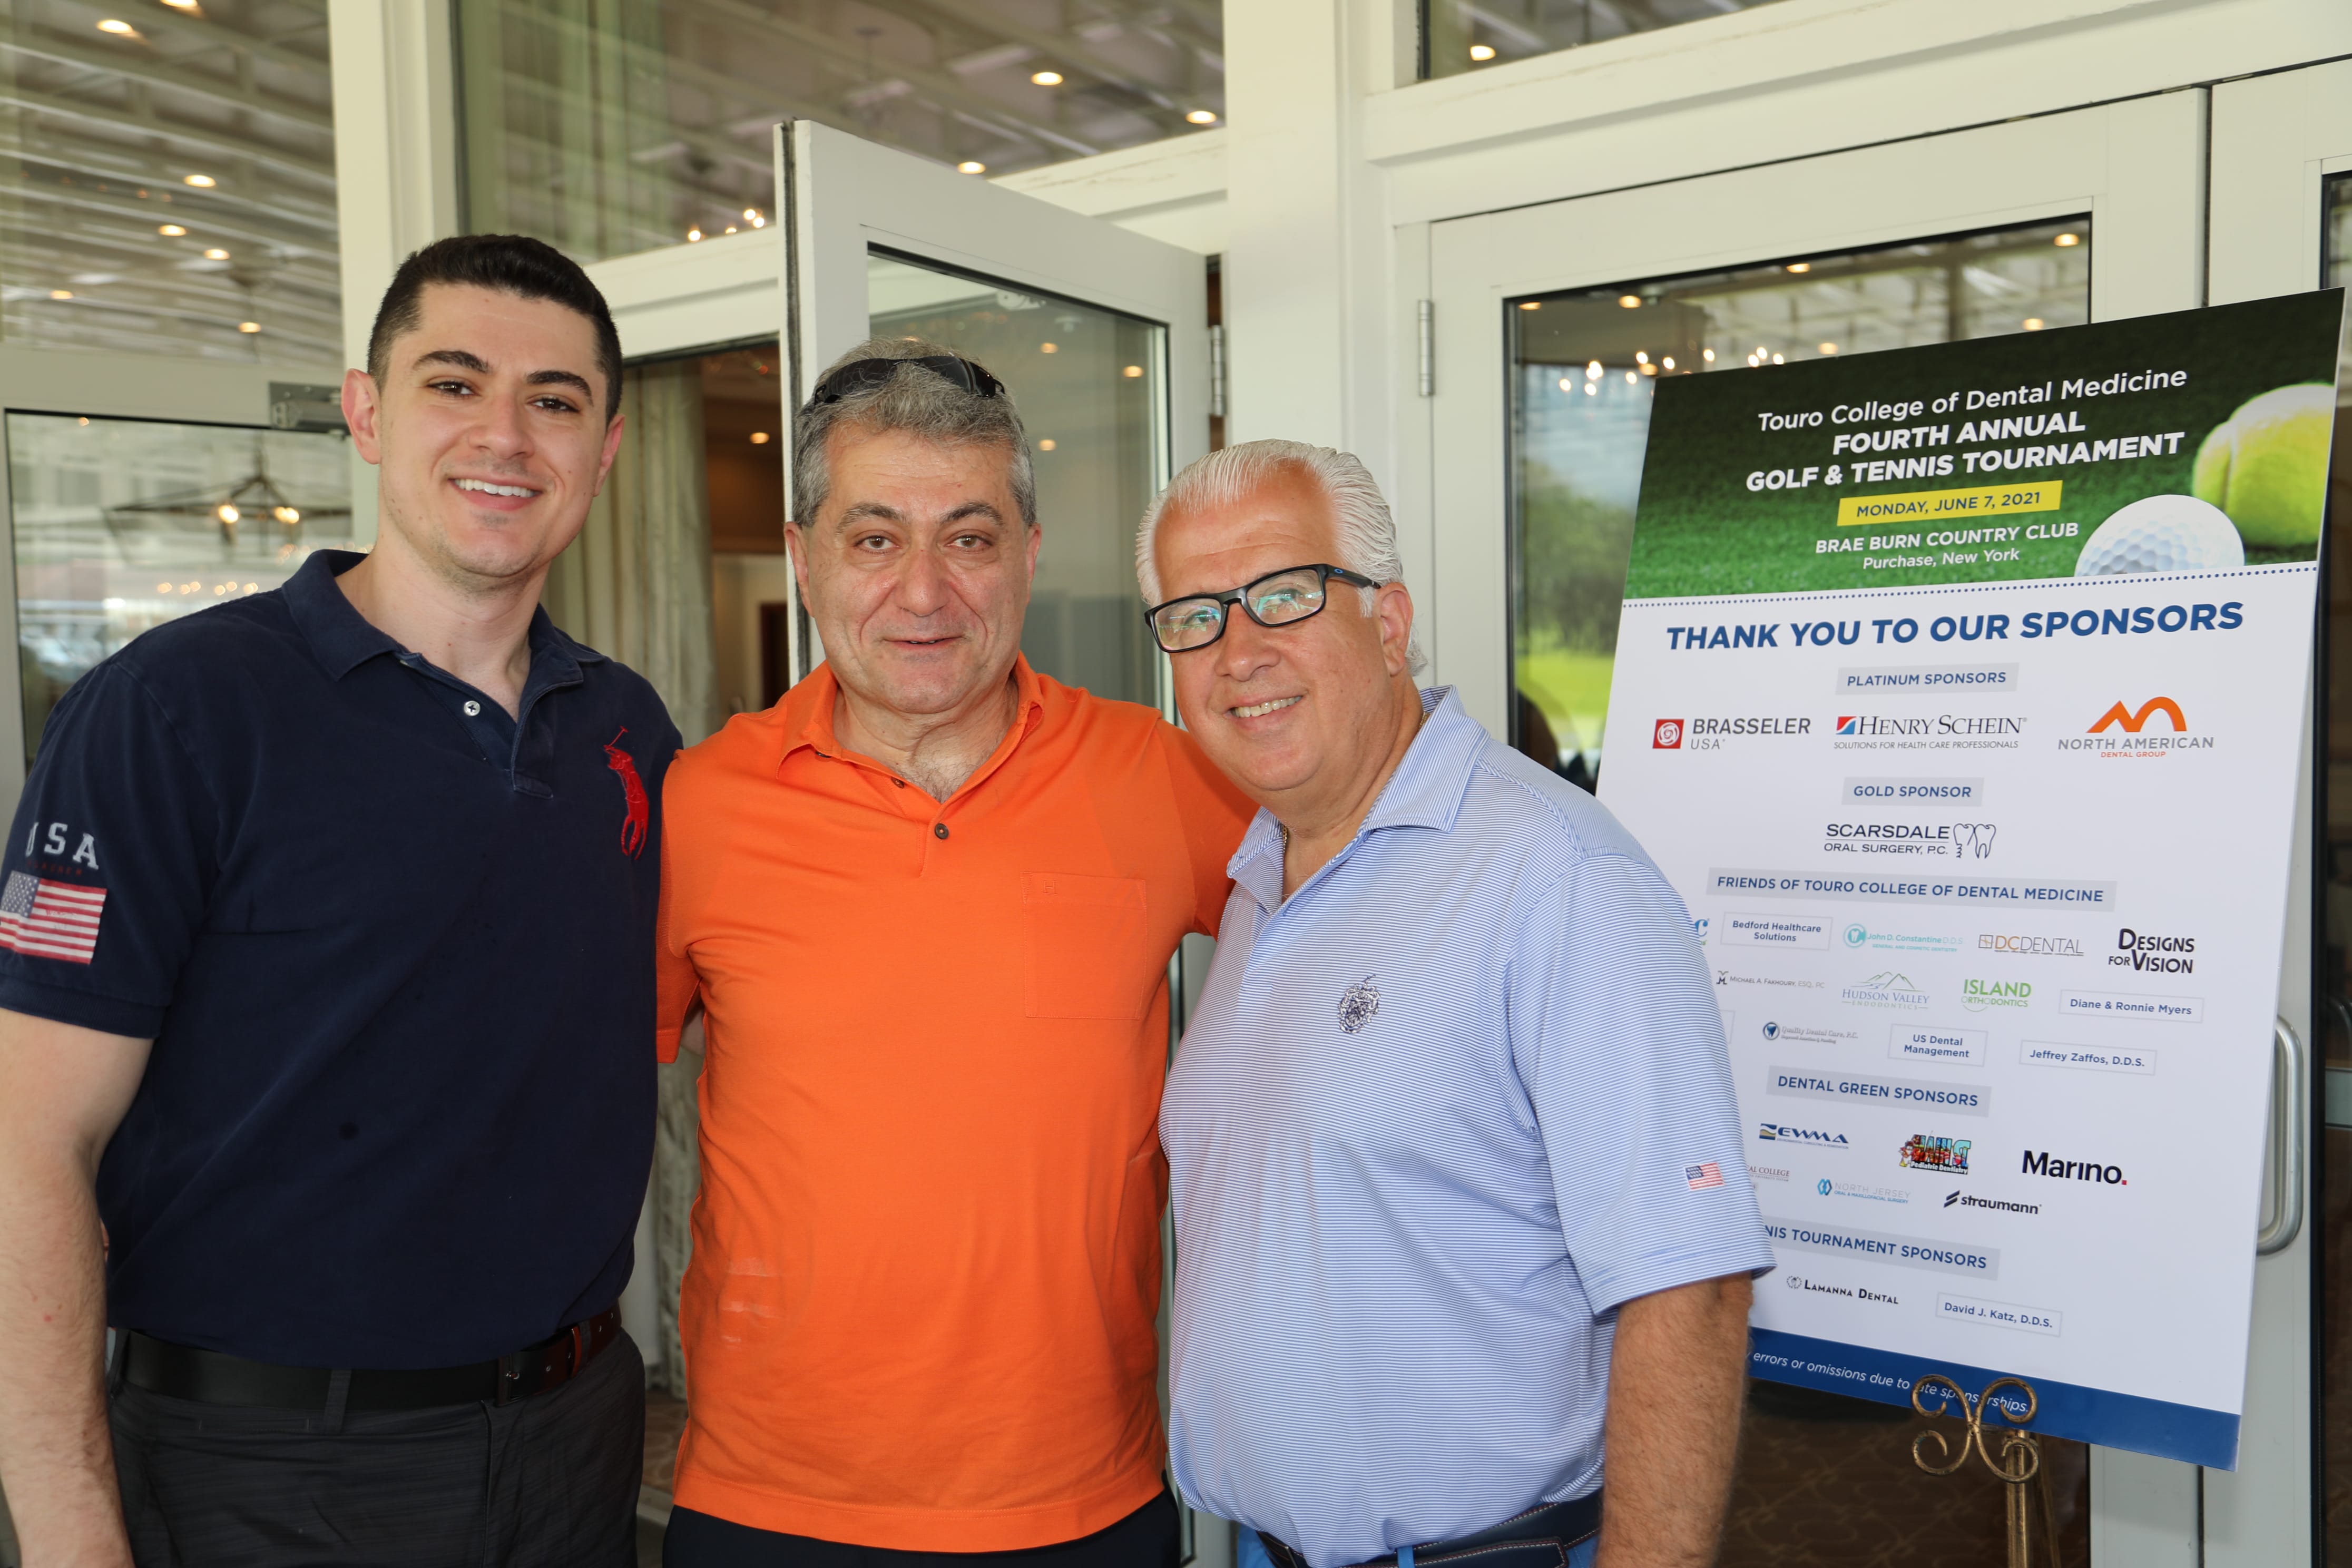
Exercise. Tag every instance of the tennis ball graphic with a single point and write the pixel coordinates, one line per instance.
(2266, 465)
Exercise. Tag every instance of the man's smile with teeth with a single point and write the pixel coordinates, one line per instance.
(1259, 710)
(487, 487)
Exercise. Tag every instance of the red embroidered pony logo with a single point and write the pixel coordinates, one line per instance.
(632, 790)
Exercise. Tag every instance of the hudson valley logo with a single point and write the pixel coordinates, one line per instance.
(2126, 732)
(1927, 1152)
(2154, 954)
(1887, 988)
(1977, 995)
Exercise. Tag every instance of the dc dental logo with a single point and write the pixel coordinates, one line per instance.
(1667, 736)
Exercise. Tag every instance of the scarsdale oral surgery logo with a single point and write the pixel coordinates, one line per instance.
(1950, 840)
(1667, 736)
(1887, 988)
(1977, 995)
(2125, 731)
(1925, 1151)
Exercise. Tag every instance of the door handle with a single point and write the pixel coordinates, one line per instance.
(2290, 1161)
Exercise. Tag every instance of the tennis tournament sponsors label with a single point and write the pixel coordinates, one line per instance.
(1992, 634)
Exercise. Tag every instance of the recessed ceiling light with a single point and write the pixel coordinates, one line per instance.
(202, 182)
(188, 5)
(216, 254)
(60, 293)
(1630, 301)
(759, 438)
(1530, 304)
(2033, 324)
(693, 234)
(170, 230)
(971, 166)
(1202, 117)
(2064, 239)
(1828, 348)
(1047, 445)
(1046, 78)
(1801, 267)
(288, 515)
(1049, 348)
(248, 326)
(1132, 371)
(1482, 51)
(119, 28)
(226, 512)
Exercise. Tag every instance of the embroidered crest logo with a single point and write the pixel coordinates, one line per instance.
(639, 811)
(1358, 1006)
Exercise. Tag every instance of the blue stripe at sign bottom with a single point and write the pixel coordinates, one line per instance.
(2189, 1432)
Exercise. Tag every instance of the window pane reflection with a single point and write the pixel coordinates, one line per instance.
(1584, 365)
(124, 524)
(167, 182)
(631, 124)
(1089, 385)
(1465, 35)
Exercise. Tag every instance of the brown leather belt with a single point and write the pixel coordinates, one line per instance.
(210, 1377)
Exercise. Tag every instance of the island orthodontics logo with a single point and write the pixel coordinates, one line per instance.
(1666, 735)
(2126, 733)
(2154, 954)
(1781, 1132)
(1958, 1199)
(1927, 1152)
(1887, 988)
(1977, 995)
(2063, 1170)
(2029, 946)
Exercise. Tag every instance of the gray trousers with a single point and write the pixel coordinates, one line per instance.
(550, 1480)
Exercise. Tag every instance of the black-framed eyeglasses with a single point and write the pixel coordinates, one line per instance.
(1277, 599)
(866, 375)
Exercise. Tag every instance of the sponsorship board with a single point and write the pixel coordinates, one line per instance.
(1938, 670)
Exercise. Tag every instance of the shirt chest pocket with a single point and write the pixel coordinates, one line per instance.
(1084, 946)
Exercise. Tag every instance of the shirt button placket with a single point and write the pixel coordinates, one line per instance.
(938, 830)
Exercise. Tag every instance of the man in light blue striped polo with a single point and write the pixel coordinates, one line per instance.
(1455, 1163)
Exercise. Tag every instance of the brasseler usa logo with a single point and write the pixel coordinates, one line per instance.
(1667, 735)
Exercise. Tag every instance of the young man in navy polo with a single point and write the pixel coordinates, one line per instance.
(326, 988)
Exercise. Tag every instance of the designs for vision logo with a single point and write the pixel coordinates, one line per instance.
(1358, 1006)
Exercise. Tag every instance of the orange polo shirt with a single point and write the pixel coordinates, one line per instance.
(921, 1310)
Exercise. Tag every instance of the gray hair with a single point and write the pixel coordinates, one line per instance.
(1368, 540)
(918, 401)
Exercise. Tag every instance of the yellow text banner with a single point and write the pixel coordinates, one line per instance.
(1944, 506)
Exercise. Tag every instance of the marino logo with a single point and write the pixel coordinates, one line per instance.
(1358, 1006)
(1887, 988)
(2154, 954)
(1977, 995)
(1780, 1133)
(2073, 1170)
(1927, 1152)
(2123, 732)
(1667, 735)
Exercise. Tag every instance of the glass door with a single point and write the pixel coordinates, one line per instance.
(2283, 223)
(1552, 326)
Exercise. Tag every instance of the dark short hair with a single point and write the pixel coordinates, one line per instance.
(511, 264)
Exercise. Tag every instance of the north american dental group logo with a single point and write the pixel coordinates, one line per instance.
(2126, 732)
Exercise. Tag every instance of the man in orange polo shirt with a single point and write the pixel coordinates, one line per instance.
(927, 904)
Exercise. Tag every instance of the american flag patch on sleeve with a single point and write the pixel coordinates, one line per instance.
(1707, 1175)
(42, 918)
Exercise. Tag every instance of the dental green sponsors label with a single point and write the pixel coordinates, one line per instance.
(2196, 441)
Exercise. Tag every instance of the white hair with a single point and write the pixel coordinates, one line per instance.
(1367, 542)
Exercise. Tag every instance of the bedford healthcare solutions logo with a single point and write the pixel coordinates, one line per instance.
(1887, 988)
(1925, 1151)
(2126, 732)
(1977, 995)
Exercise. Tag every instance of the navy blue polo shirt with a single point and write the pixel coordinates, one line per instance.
(395, 951)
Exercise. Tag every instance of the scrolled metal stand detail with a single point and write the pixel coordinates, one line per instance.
(2019, 1466)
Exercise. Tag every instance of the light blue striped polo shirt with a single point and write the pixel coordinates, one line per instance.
(1435, 1118)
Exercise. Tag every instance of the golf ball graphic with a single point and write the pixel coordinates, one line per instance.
(2162, 533)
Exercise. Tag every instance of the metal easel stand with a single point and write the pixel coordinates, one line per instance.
(2019, 1466)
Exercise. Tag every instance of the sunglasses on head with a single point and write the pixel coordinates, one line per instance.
(867, 374)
